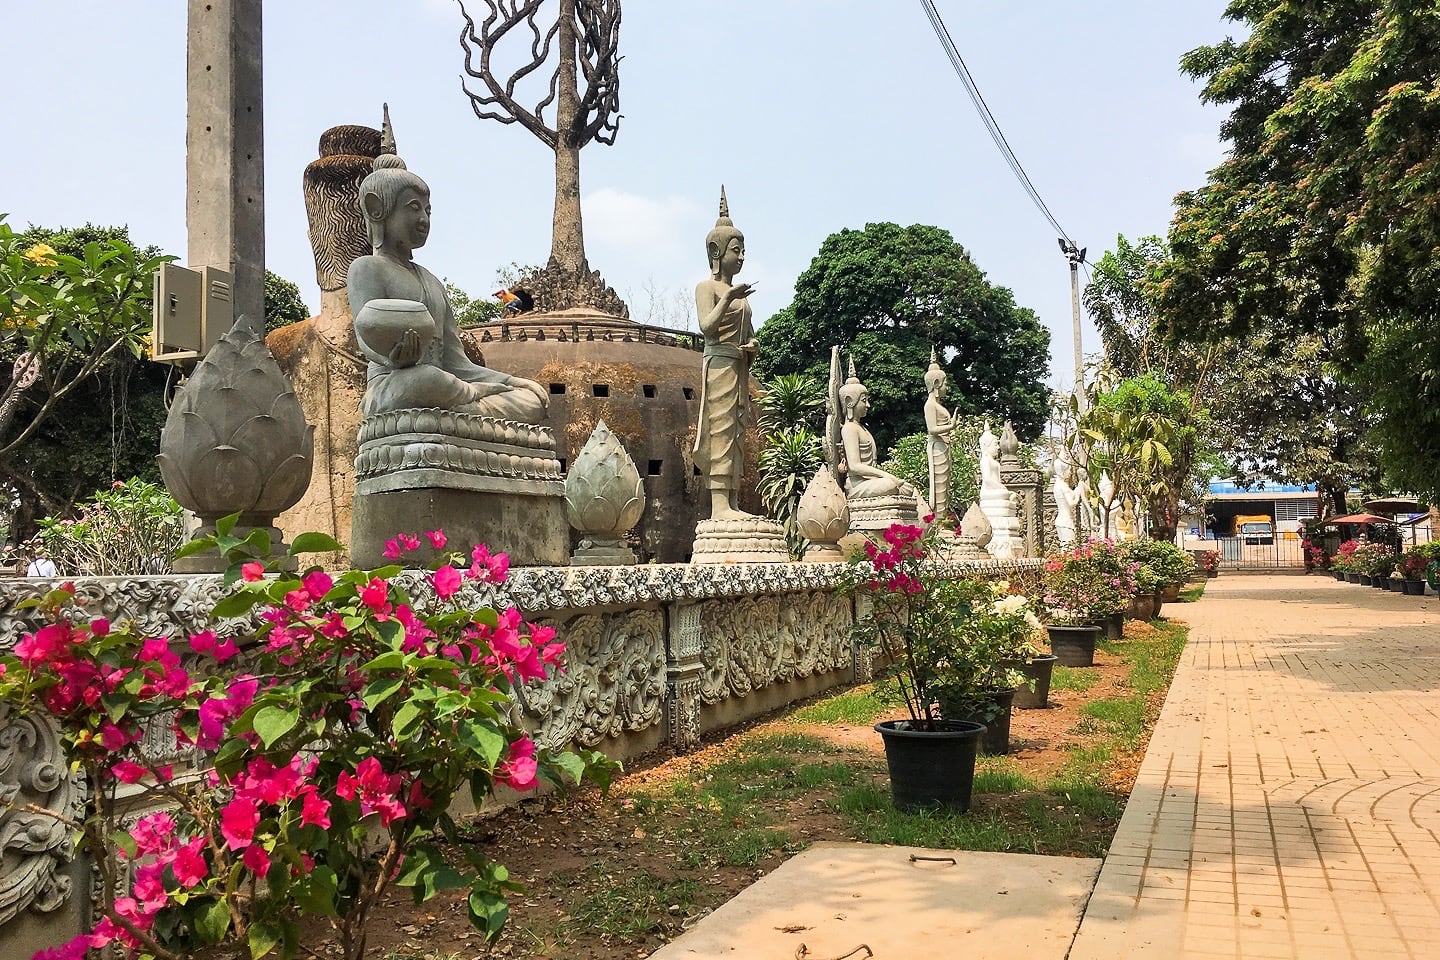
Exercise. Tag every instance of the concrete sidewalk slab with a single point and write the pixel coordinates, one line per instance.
(834, 897)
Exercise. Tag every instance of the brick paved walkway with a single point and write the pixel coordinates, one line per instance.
(1289, 802)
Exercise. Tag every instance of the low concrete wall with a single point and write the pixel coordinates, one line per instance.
(656, 655)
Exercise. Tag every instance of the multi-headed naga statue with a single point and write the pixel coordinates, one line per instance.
(585, 36)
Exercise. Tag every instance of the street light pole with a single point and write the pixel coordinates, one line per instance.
(1076, 256)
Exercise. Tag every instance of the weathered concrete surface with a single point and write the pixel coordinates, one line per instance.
(835, 896)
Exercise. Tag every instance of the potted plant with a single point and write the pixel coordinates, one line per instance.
(997, 635)
(1020, 650)
(1412, 569)
(1210, 562)
(1347, 562)
(1081, 592)
(915, 616)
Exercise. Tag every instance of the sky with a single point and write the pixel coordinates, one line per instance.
(816, 115)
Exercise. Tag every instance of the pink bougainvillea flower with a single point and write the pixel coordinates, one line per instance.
(189, 863)
(153, 832)
(436, 538)
(76, 949)
(446, 581)
(128, 771)
(334, 626)
(238, 822)
(256, 860)
(487, 567)
(252, 571)
(315, 810)
(376, 596)
(99, 627)
(409, 541)
(48, 643)
(517, 771)
(392, 549)
(317, 583)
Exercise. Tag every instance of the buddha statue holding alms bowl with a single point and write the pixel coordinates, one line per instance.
(403, 320)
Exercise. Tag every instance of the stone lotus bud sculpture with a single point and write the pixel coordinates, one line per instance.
(236, 440)
(604, 498)
(823, 517)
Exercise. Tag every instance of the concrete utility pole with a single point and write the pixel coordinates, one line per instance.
(225, 147)
(1076, 256)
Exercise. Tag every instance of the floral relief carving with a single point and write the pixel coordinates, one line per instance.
(613, 683)
(34, 846)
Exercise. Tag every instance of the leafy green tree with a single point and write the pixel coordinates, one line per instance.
(890, 294)
(1322, 219)
(1274, 404)
(67, 316)
(470, 311)
(283, 305)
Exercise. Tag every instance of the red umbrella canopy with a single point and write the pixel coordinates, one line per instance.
(1361, 518)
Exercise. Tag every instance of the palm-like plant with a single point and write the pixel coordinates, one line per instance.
(789, 408)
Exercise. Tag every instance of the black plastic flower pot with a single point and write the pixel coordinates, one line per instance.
(931, 769)
(1339, 575)
(1073, 646)
(994, 717)
(1415, 588)
(1035, 694)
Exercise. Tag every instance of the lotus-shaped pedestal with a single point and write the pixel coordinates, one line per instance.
(604, 498)
(236, 440)
(823, 517)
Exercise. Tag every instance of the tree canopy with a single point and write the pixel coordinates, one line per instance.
(1273, 403)
(888, 294)
(1322, 220)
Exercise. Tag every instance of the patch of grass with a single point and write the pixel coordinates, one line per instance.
(1078, 679)
(1122, 716)
(856, 707)
(419, 955)
(1193, 592)
(1000, 775)
(631, 905)
(813, 775)
(792, 742)
(1038, 823)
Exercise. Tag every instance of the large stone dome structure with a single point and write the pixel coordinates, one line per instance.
(644, 382)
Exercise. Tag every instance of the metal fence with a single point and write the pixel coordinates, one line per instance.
(1255, 553)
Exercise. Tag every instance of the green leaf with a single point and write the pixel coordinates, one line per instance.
(406, 719)
(198, 545)
(263, 938)
(488, 913)
(390, 660)
(257, 542)
(237, 604)
(312, 542)
(211, 921)
(484, 740)
(273, 722)
(224, 525)
(378, 691)
(124, 842)
(316, 893)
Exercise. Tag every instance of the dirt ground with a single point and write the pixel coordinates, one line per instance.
(565, 850)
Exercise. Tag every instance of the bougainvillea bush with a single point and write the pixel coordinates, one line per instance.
(1088, 583)
(324, 754)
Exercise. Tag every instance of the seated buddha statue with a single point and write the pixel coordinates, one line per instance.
(863, 477)
(404, 323)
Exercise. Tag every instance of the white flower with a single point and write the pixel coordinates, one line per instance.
(1012, 604)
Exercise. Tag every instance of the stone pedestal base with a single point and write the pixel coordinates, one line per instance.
(754, 540)
(871, 514)
(528, 524)
(818, 552)
(602, 552)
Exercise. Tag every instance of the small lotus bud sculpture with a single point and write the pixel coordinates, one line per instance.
(604, 498)
(823, 517)
(1009, 445)
(236, 440)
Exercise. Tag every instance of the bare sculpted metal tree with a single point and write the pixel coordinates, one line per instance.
(585, 35)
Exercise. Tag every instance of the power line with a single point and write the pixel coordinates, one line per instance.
(987, 118)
